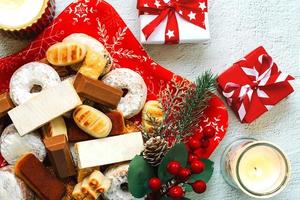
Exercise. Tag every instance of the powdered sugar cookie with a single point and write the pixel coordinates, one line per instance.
(119, 185)
(133, 102)
(13, 146)
(11, 187)
(28, 76)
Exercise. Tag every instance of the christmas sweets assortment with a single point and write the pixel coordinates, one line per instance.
(78, 125)
(81, 121)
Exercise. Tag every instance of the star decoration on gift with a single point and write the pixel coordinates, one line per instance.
(146, 5)
(192, 15)
(180, 12)
(157, 4)
(202, 5)
(170, 34)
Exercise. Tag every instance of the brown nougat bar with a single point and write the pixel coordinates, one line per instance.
(38, 178)
(5, 104)
(75, 134)
(97, 91)
(60, 156)
(118, 123)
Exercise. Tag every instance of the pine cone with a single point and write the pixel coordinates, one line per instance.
(155, 149)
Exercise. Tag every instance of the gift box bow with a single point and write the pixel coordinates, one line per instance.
(193, 11)
(262, 78)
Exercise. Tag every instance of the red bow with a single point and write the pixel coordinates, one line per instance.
(191, 10)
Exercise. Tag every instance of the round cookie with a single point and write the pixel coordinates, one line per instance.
(13, 146)
(133, 102)
(28, 76)
(11, 187)
(119, 185)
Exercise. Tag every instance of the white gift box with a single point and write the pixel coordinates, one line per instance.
(188, 32)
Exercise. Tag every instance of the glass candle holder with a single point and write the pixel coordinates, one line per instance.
(260, 169)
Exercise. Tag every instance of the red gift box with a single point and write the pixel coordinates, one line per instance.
(100, 20)
(253, 85)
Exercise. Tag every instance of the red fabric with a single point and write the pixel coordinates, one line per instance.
(99, 20)
(190, 10)
(2, 161)
(265, 85)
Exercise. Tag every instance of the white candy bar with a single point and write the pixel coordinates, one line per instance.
(44, 107)
(108, 150)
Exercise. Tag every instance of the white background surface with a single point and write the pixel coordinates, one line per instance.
(237, 27)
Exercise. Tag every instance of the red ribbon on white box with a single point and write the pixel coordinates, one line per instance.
(242, 94)
(193, 11)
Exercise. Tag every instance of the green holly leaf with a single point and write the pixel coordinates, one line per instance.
(177, 153)
(188, 187)
(139, 173)
(206, 174)
(165, 198)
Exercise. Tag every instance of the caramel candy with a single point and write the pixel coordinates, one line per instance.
(77, 194)
(60, 156)
(131, 127)
(99, 182)
(152, 115)
(93, 65)
(83, 173)
(92, 186)
(97, 91)
(5, 104)
(118, 123)
(39, 178)
(75, 134)
(66, 53)
(92, 121)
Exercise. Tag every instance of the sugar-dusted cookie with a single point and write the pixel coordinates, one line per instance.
(13, 146)
(133, 102)
(30, 75)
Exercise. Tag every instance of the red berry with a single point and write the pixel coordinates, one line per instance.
(194, 143)
(197, 136)
(176, 192)
(199, 152)
(199, 186)
(192, 157)
(209, 132)
(184, 174)
(197, 166)
(154, 183)
(204, 143)
(173, 167)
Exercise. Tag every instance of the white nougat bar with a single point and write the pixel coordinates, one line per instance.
(108, 150)
(44, 107)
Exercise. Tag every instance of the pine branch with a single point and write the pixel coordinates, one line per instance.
(196, 100)
(183, 104)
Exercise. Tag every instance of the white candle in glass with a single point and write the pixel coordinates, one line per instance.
(258, 168)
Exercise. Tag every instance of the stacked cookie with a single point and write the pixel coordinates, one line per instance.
(72, 107)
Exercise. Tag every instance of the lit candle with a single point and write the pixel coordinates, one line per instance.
(258, 168)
